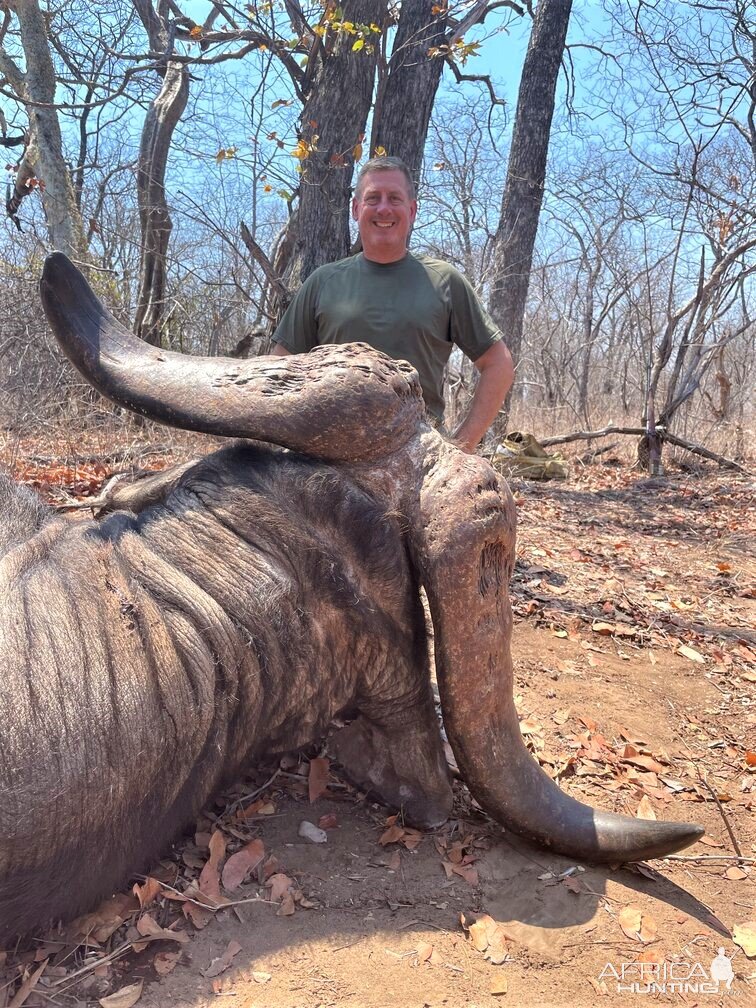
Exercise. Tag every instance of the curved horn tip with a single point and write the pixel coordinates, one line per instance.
(54, 263)
(621, 839)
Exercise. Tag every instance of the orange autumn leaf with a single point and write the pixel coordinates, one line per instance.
(392, 835)
(147, 893)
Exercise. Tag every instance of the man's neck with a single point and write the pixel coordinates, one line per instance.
(385, 262)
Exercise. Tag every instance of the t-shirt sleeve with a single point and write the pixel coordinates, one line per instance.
(471, 327)
(297, 331)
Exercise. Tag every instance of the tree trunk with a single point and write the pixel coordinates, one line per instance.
(330, 131)
(526, 173)
(155, 145)
(46, 146)
(405, 103)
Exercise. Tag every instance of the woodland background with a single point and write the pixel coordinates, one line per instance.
(590, 166)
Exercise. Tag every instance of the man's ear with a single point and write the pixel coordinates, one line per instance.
(354, 209)
(413, 211)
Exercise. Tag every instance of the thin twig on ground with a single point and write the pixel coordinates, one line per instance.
(725, 820)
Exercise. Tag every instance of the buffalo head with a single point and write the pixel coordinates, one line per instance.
(198, 576)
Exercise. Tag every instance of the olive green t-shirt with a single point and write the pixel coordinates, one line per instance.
(415, 309)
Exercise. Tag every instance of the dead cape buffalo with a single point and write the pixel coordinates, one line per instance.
(236, 607)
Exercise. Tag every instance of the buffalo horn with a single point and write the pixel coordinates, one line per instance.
(334, 403)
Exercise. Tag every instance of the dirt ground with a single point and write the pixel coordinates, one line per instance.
(635, 662)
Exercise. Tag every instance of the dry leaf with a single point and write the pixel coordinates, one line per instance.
(478, 932)
(222, 962)
(645, 763)
(498, 985)
(392, 835)
(744, 935)
(279, 885)
(573, 885)
(467, 872)
(645, 809)
(241, 864)
(736, 874)
(149, 928)
(317, 780)
(328, 821)
(423, 953)
(650, 955)
(648, 929)
(287, 907)
(123, 998)
(411, 839)
(629, 919)
(147, 893)
(599, 986)
(262, 806)
(270, 867)
(107, 918)
(165, 962)
(199, 916)
(487, 935)
(708, 841)
(209, 880)
(689, 652)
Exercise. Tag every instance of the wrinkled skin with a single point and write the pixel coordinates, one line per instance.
(235, 607)
(163, 651)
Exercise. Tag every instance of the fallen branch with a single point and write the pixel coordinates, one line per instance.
(590, 435)
(662, 432)
(700, 450)
(589, 456)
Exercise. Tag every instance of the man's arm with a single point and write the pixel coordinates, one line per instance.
(496, 376)
(279, 351)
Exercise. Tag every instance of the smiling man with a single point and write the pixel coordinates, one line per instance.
(409, 306)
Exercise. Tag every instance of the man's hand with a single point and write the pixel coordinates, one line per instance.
(496, 376)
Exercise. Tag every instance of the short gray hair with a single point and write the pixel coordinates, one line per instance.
(385, 163)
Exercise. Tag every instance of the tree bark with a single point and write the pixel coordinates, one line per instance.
(154, 215)
(331, 129)
(46, 146)
(405, 99)
(526, 173)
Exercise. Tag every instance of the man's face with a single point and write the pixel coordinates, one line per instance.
(384, 212)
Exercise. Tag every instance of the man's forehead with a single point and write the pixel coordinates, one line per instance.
(388, 179)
